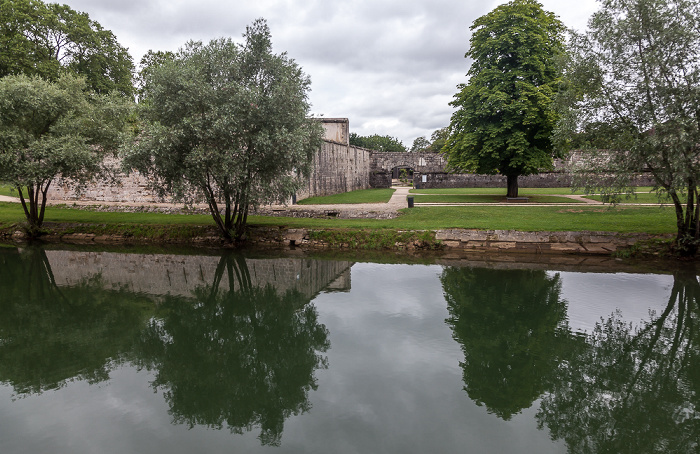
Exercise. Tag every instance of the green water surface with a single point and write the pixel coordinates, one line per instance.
(112, 352)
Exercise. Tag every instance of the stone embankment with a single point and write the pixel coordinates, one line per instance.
(593, 243)
(453, 240)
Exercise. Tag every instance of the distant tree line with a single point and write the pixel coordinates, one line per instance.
(377, 143)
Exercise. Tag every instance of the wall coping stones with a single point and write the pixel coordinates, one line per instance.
(583, 242)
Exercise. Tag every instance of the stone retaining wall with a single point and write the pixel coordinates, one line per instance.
(535, 242)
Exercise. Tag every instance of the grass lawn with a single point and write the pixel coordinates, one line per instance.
(523, 192)
(8, 190)
(485, 198)
(640, 197)
(654, 220)
(360, 196)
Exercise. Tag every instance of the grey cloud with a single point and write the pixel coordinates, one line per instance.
(390, 66)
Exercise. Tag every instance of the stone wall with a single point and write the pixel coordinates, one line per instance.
(131, 188)
(180, 275)
(540, 180)
(383, 163)
(336, 130)
(338, 168)
(595, 243)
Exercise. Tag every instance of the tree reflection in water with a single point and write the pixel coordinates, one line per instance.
(51, 335)
(236, 357)
(511, 325)
(633, 389)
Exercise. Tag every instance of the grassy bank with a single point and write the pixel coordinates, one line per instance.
(623, 219)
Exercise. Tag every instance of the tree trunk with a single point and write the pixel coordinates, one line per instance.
(512, 186)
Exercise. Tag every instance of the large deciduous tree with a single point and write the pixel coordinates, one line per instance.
(230, 121)
(54, 129)
(50, 39)
(504, 117)
(637, 72)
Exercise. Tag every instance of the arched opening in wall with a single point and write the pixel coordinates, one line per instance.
(402, 175)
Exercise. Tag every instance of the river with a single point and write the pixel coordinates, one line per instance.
(180, 352)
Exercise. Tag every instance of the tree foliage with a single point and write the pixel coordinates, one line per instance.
(420, 144)
(437, 141)
(377, 143)
(504, 117)
(239, 356)
(510, 325)
(633, 389)
(48, 40)
(52, 335)
(229, 121)
(637, 70)
(52, 129)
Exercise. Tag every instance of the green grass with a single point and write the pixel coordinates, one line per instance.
(652, 220)
(523, 192)
(360, 196)
(486, 198)
(639, 197)
(8, 190)
(13, 213)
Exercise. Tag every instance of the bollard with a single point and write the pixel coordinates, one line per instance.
(410, 201)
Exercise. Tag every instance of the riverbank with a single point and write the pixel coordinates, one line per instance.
(453, 240)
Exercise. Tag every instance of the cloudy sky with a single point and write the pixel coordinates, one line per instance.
(390, 66)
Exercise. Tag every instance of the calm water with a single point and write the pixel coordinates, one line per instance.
(104, 352)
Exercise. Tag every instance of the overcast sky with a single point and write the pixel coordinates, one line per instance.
(390, 66)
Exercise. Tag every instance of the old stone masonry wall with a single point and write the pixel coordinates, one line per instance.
(132, 188)
(338, 168)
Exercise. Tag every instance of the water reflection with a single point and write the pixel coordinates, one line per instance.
(236, 358)
(237, 343)
(50, 335)
(633, 389)
(511, 326)
(228, 348)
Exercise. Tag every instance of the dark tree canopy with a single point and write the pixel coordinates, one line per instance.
(633, 389)
(511, 325)
(377, 143)
(48, 40)
(634, 79)
(230, 121)
(504, 117)
(51, 335)
(236, 357)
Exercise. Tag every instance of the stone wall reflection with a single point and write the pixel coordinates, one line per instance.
(237, 347)
(237, 357)
(168, 274)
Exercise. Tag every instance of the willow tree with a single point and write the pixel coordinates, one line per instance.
(637, 70)
(230, 121)
(504, 117)
(54, 130)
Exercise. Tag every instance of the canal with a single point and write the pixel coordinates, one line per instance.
(180, 352)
